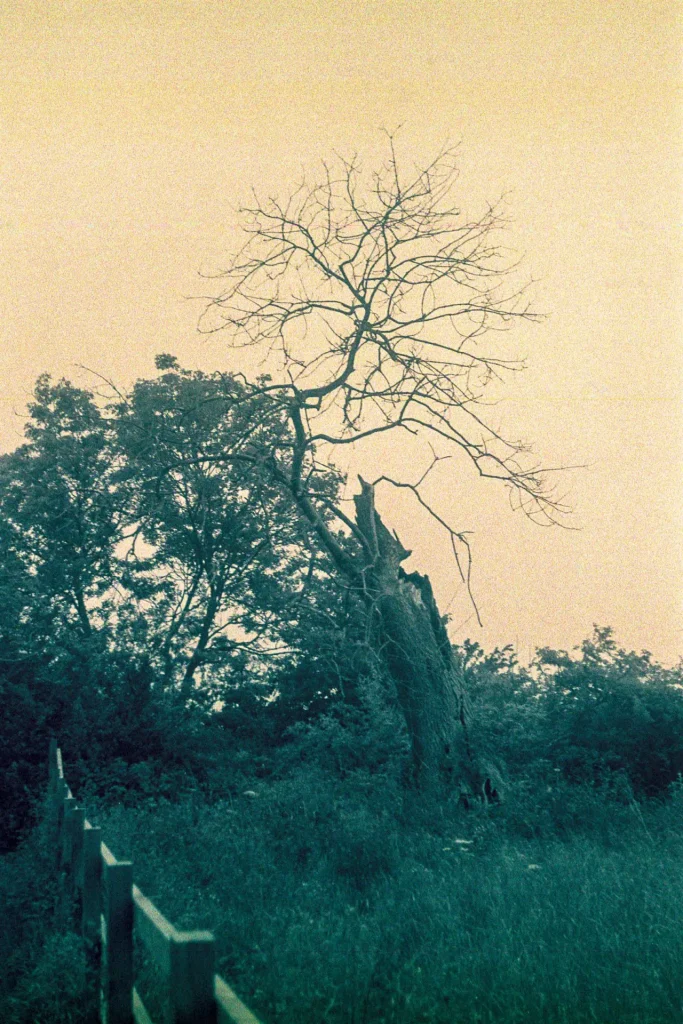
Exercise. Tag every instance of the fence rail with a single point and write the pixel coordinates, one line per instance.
(111, 911)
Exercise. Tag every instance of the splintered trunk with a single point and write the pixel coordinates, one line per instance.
(418, 654)
(427, 681)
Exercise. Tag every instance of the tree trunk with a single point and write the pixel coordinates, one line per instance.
(197, 656)
(83, 616)
(418, 654)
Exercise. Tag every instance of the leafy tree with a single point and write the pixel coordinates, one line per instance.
(611, 712)
(217, 561)
(60, 519)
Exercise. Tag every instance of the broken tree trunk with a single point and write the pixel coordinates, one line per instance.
(418, 654)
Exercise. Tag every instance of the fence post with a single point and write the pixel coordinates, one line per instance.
(69, 804)
(117, 945)
(191, 980)
(91, 876)
(76, 866)
(52, 769)
(61, 794)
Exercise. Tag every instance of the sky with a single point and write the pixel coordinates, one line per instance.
(131, 132)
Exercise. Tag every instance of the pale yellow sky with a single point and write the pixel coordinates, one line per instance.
(130, 129)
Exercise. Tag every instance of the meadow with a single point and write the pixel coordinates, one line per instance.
(354, 904)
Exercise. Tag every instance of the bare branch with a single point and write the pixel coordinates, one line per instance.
(380, 305)
(455, 536)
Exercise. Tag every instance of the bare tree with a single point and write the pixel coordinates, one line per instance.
(376, 302)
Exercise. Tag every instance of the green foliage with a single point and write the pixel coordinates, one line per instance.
(25, 733)
(156, 524)
(59, 518)
(602, 717)
(46, 978)
(613, 713)
(55, 988)
(221, 549)
(150, 570)
(334, 900)
(338, 894)
(165, 613)
(118, 732)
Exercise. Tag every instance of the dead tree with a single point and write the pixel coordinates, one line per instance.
(415, 648)
(376, 303)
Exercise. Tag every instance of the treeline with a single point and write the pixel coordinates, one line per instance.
(154, 581)
(168, 615)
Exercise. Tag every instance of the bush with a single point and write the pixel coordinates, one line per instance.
(337, 893)
(334, 901)
(46, 978)
(603, 718)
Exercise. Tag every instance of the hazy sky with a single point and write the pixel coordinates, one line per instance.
(131, 130)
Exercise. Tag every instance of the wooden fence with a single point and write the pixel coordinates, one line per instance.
(111, 911)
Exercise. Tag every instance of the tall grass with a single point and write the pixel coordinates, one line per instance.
(354, 903)
(45, 977)
(349, 905)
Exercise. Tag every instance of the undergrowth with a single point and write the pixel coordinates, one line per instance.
(45, 977)
(340, 895)
(350, 904)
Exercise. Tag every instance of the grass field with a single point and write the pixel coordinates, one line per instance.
(343, 904)
(327, 907)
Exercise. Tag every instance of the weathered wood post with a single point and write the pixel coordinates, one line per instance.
(191, 978)
(65, 848)
(91, 877)
(52, 769)
(56, 792)
(60, 794)
(77, 826)
(117, 940)
(75, 867)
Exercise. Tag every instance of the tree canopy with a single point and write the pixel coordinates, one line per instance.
(380, 305)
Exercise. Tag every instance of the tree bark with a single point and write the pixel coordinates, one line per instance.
(417, 652)
(197, 656)
(82, 610)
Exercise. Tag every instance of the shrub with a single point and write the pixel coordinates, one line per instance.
(46, 978)
(388, 920)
